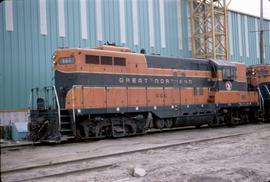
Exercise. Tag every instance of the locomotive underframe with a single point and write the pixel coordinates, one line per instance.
(105, 124)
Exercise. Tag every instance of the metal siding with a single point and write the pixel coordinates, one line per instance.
(21, 61)
(253, 41)
(267, 48)
(246, 32)
(186, 51)
(234, 37)
(135, 23)
(151, 24)
(83, 18)
(267, 42)
(171, 29)
(122, 20)
(240, 36)
(26, 54)
(162, 23)
(2, 56)
(111, 22)
(257, 38)
(92, 39)
(98, 20)
(61, 18)
(143, 25)
(179, 24)
(53, 37)
(230, 24)
(157, 35)
(9, 15)
(43, 17)
(129, 26)
(15, 72)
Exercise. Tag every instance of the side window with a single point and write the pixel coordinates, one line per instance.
(90, 59)
(234, 73)
(119, 61)
(106, 60)
(228, 73)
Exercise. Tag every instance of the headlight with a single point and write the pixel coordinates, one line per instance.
(67, 60)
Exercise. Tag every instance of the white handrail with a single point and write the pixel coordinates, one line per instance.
(30, 100)
(262, 101)
(58, 108)
(73, 105)
(267, 89)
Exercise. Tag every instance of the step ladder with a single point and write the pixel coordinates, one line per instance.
(66, 125)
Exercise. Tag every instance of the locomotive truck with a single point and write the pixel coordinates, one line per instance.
(110, 91)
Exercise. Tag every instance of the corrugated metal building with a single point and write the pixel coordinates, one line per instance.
(31, 30)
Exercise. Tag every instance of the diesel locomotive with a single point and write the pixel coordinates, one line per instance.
(110, 91)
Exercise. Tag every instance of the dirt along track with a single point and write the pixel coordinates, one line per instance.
(103, 157)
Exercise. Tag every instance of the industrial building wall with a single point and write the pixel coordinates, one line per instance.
(31, 30)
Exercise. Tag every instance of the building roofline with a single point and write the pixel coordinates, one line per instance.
(247, 14)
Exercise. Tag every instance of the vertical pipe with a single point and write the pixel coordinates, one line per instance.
(261, 35)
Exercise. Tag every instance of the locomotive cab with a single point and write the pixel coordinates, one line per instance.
(224, 72)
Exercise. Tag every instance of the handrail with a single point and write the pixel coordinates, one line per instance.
(267, 89)
(30, 100)
(262, 100)
(58, 108)
(73, 105)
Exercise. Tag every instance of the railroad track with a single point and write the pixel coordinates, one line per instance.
(17, 146)
(80, 165)
(152, 131)
(14, 147)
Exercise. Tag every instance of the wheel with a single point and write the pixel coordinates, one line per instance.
(244, 118)
(159, 123)
(108, 131)
(213, 123)
(168, 123)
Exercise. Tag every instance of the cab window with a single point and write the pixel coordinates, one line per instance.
(228, 73)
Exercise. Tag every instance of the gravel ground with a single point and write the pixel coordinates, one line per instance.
(243, 158)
